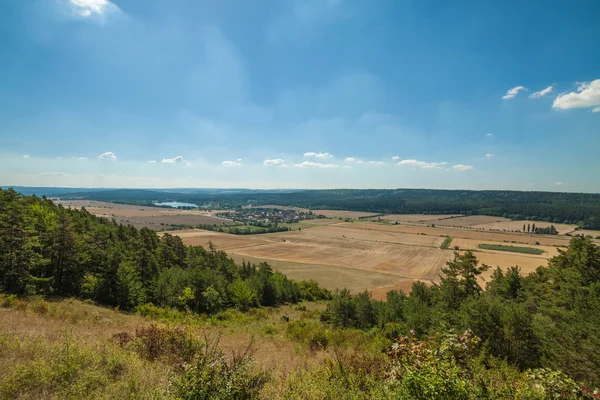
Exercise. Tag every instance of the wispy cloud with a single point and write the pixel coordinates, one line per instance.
(489, 134)
(233, 163)
(311, 164)
(174, 160)
(109, 155)
(350, 159)
(587, 95)
(25, 155)
(541, 93)
(395, 158)
(559, 183)
(489, 155)
(79, 158)
(277, 162)
(510, 93)
(462, 167)
(422, 164)
(317, 155)
(90, 8)
(152, 161)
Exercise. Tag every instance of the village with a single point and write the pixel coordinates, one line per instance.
(259, 216)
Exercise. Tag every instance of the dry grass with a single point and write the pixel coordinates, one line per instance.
(27, 336)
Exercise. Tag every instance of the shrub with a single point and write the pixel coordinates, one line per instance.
(39, 306)
(154, 342)
(211, 376)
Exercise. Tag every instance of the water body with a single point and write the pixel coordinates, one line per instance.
(175, 204)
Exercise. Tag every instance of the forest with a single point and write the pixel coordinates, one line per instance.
(527, 337)
(573, 208)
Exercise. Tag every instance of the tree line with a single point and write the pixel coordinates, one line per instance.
(51, 250)
(573, 208)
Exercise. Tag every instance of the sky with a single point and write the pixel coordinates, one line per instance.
(300, 94)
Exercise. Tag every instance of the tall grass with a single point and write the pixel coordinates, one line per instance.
(446, 242)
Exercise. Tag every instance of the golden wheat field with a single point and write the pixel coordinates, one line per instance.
(386, 252)
(376, 256)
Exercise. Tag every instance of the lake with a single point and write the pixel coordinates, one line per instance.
(175, 204)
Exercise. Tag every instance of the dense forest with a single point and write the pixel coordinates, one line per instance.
(48, 249)
(522, 337)
(575, 208)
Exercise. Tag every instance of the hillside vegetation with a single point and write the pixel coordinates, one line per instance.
(180, 311)
(572, 208)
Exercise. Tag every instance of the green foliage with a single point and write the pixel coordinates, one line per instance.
(446, 243)
(48, 249)
(514, 249)
(211, 376)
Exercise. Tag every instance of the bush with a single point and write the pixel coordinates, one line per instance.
(211, 376)
(154, 342)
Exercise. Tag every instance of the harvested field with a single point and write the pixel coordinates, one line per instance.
(374, 235)
(328, 276)
(222, 241)
(518, 226)
(473, 244)
(372, 255)
(472, 220)
(343, 214)
(418, 218)
(586, 232)
(156, 218)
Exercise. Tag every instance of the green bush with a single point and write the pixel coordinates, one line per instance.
(211, 376)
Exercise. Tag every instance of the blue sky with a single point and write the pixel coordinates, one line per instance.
(300, 94)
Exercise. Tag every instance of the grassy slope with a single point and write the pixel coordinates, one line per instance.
(65, 349)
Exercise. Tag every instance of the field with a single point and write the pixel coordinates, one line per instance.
(343, 214)
(156, 218)
(375, 254)
(512, 249)
(418, 218)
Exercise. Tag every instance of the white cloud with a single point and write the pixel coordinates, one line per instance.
(152, 161)
(510, 93)
(489, 155)
(79, 158)
(490, 134)
(233, 163)
(88, 8)
(278, 162)
(376, 162)
(461, 167)
(558, 183)
(587, 95)
(422, 164)
(25, 155)
(395, 158)
(174, 160)
(310, 164)
(317, 155)
(350, 159)
(541, 93)
(109, 155)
